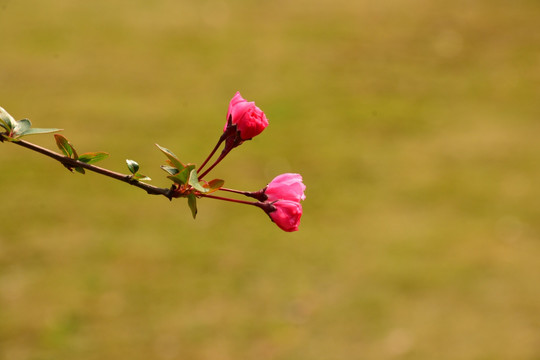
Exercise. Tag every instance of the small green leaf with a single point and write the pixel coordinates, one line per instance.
(80, 170)
(214, 185)
(173, 158)
(184, 174)
(140, 177)
(175, 179)
(93, 157)
(192, 202)
(24, 127)
(171, 170)
(36, 131)
(21, 127)
(7, 121)
(194, 181)
(65, 146)
(132, 165)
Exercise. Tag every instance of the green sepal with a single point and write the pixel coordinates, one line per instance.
(194, 181)
(7, 121)
(65, 146)
(173, 158)
(140, 177)
(214, 185)
(171, 170)
(192, 202)
(133, 166)
(93, 157)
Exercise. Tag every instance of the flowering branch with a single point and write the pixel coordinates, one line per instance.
(280, 199)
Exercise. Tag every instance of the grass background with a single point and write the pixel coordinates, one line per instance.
(414, 123)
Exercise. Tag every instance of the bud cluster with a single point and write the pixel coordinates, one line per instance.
(280, 199)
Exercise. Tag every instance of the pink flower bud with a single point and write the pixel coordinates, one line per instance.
(286, 214)
(248, 118)
(286, 187)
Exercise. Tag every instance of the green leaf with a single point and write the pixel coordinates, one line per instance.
(7, 121)
(175, 179)
(21, 127)
(36, 131)
(140, 177)
(192, 202)
(133, 166)
(182, 176)
(174, 160)
(194, 181)
(214, 185)
(24, 127)
(171, 170)
(80, 170)
(93, 157)
(65, 146)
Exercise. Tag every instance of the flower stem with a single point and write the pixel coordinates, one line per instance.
(246, 193)
(258, 204)
(232, 139)
(221, 157)
(221, 139)
(265, 206)
(258, 195)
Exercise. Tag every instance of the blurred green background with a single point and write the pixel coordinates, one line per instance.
(414, 123)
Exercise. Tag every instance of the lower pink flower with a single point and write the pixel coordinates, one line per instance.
(286, 215)
(286, 187)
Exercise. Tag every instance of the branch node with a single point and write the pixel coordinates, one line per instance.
(169, 194)
(130, 180)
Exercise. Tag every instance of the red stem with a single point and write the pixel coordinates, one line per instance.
(265, 206)
(258, 204)
(257, 195)
(221, 156)
(234, 191)
(211, 154)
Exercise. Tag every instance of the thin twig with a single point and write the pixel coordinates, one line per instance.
(246, 193)
(258, 204)
(211, 154)
(221, 157)
(72, 163)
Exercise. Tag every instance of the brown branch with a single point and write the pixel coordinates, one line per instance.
(72, 163)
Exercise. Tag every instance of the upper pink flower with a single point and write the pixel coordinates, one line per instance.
(287, 214)
(249, 119)
(286, 187)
